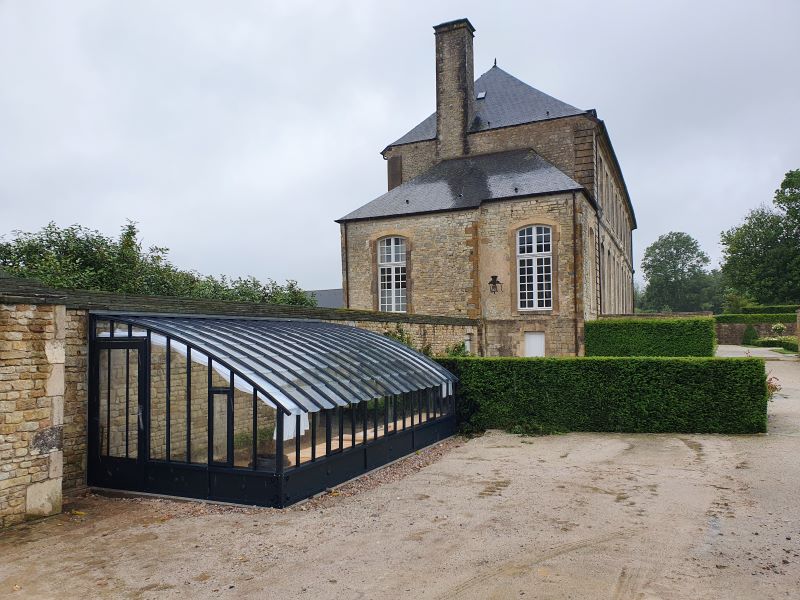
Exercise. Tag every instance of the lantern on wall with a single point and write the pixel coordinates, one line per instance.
(495, 284)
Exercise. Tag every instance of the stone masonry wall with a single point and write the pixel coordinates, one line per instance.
(731, 333)
(76, 389)
(31, 410)
(440, 267)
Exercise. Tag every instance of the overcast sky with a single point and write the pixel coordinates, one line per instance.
(236, 132)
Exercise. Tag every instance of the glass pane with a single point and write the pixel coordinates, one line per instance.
(199, 408)
(102, 389)
(266, 448)
(335, 418)
(118, 415)
(242, 428)
(220, 426)
(158, 399)
(133, 404)
(390, 416)
(177, 402)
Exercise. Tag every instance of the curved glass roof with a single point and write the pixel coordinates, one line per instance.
(302, 366)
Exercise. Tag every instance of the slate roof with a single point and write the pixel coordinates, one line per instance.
(508, 101)
(463, 183)
(331, 298)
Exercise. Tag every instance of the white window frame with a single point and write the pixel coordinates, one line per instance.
(534, 245)
(392, 274)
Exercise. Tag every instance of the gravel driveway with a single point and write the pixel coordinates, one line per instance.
(500, 516)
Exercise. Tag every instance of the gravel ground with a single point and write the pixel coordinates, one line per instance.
(500, 516)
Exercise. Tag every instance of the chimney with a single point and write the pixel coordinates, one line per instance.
(455, 87)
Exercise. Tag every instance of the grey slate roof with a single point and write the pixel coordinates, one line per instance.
(332, 298)
(467, 182)
(508, 101)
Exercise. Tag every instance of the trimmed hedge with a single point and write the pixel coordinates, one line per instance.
(755, 319)
(787, 342)
(674, 336)
(769, 310)
(643, 394)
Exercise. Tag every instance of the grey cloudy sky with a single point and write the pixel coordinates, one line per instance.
(236, 132)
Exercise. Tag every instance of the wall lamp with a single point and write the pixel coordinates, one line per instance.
(495, 284)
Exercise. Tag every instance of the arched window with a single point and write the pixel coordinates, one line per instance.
(535, 268)
(392, 274)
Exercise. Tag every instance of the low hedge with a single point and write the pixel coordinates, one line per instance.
(642, 394)
(673, 336)
(769, 310)
(787, 342)
(755, 319)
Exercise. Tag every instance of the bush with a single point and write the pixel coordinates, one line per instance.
(769, 310)
(757, 318)
(749, 336)
(778, 329)
(672, 336)
(642, 394)
(787, 342)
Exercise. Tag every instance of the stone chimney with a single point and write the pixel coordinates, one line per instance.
(455, 87)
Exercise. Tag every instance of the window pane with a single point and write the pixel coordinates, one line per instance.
(158, 400)
(220, 441)
(242, 428)
(177, 403)
(199, 408)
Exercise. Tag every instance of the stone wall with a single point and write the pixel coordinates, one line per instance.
(76, 389)
(731, 333)
(31, 410)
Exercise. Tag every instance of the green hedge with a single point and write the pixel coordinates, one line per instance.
(672, 336)
(787, 342)
(642, 394)
(770, 310)
(755, 319)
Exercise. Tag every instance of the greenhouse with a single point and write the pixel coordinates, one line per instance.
(253, 410)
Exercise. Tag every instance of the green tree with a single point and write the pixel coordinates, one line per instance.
(674, 267)
(79, 258)
(761, 257)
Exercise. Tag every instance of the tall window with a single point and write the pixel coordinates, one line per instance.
(535, 267)
(392, 274)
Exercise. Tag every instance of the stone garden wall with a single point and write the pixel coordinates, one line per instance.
(31, 410)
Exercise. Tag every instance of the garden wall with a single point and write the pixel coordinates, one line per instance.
(731, 333)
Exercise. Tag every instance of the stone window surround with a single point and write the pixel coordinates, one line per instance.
(374, 240)
(534, 256)
(394, 265)
(555, 237)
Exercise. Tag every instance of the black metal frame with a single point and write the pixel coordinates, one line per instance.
(257, 484)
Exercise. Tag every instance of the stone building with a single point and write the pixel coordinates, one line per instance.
(506, 205)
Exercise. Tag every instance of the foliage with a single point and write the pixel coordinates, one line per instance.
(761, 257)
(773, 386)
(671, 336)
(756, 318)
(778, 328)
(675, 269)
(458, 349)
(787, 342)
(767, 310)
(79, 258)
(399, 334)
(749, 336)
(641, 394)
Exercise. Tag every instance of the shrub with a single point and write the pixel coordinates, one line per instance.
(672, 336)
(778, 329)
(749, 336)
(787, 342)
(641, 394)
(769, 310)
(457, 349)
(757, 318)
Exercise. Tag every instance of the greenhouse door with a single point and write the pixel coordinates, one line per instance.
(118, 404)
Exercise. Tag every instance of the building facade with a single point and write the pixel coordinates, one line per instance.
(506, 205)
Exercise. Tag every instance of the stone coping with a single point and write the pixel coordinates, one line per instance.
(22, 291)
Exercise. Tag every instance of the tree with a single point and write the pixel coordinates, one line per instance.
(675, 269)
(79, 258)
(761, 257)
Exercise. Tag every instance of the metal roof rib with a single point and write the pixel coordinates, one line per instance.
(313, 365)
